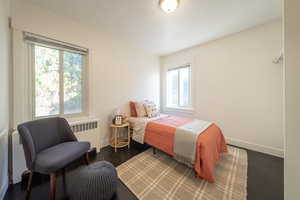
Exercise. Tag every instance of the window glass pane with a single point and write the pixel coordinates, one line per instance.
(46, 81)
(184, 84)
(72, 82)
(172, 88)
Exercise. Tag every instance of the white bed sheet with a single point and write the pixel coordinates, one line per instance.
(138, 124)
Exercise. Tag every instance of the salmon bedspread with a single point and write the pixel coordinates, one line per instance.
(210, 143)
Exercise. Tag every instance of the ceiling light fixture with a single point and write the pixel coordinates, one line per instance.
(168, 6)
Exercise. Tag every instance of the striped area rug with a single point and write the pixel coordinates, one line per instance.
(160, 177)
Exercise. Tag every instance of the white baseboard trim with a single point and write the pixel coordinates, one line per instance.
(3, 190)
(256, 147)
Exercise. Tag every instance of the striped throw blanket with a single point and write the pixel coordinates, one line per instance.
(185, 141)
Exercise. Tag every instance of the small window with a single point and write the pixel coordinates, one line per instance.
(179, 87)
(58, 81)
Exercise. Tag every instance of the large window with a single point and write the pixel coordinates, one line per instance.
(179, 87)
(58, 81)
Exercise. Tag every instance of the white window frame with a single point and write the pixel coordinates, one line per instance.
(31, 57)
(179, 107)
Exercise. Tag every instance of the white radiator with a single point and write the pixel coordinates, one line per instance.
(87, 130)
(84, 130)
(3, 163)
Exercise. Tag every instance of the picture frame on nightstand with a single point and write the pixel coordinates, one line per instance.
(118, 120)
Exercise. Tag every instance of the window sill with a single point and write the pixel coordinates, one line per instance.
(188, 110)
(68, 117)
(83, 119)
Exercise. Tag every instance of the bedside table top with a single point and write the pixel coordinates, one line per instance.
(119, 126)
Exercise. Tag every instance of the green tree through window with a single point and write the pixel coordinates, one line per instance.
(72, 82)
(55, 95)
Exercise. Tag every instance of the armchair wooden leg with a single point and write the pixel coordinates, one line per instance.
(86, 158)
(52, 186)
(28, 188)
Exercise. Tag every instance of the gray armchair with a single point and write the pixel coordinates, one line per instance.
(49, 146)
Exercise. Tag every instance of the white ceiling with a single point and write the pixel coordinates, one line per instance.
(142, 21)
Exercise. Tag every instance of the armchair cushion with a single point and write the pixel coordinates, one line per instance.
(59, 156)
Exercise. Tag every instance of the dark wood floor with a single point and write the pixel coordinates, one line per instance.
(265, 177)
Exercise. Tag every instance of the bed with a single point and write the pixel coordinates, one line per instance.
(160, 132)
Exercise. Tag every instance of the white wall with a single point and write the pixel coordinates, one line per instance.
(237, 86)
(4, 62)
(292, 83)
(118, 72)
(4, 92)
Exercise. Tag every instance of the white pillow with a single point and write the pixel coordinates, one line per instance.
(140, 109)
(151, 109)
